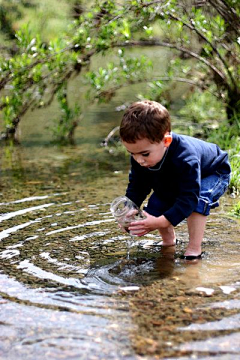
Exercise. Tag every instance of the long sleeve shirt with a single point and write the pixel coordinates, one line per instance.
(176, 179)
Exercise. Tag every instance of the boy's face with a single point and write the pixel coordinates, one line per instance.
(147, 154)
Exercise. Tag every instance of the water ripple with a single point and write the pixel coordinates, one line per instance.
(23, 211)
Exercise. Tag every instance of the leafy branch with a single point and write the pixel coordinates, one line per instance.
(35, 74)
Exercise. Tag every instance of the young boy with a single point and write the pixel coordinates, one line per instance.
(187, 175)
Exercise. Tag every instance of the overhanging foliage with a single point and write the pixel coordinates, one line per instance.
(207, 31)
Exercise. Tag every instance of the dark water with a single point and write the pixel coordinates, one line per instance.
(67, 289)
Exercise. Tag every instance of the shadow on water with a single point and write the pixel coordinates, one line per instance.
(67, 288)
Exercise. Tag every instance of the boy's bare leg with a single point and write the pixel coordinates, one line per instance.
(196, 226)
(168, 236)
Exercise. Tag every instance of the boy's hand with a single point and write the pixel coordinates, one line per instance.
(143, 227)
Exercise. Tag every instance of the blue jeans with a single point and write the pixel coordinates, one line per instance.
(212, 188)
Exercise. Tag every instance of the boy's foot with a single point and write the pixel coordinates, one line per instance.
(192, 257)
(168, 244)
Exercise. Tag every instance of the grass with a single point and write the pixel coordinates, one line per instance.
(236, 210)
(208, 117)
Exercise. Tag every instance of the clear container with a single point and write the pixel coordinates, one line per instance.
(125, 211)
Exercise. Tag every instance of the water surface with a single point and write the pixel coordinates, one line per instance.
(67, 289)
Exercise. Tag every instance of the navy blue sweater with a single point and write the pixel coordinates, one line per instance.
(178, 180)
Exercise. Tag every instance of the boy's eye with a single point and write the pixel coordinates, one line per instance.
(145, 155)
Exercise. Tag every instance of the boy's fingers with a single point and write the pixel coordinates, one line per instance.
(136, 223)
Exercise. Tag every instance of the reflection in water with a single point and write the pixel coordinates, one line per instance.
(166, 262)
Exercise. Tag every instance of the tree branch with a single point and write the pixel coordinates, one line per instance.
(112, 90)
(177, 47)
(228, 13)
(203, 37)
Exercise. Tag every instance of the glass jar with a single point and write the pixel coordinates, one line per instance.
(125, 211)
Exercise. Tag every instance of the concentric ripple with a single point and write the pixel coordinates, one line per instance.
(55, 261)
(51, 241)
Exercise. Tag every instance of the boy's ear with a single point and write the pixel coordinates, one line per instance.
(167, 139)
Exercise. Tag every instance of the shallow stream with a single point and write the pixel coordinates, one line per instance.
(67, 289)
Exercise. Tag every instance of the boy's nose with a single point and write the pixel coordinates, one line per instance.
(140, 160)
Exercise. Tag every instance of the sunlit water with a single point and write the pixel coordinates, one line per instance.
(73, 286)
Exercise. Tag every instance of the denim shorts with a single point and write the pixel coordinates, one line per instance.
(212, 188)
